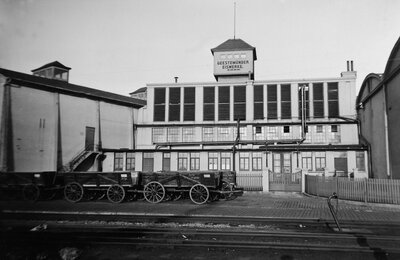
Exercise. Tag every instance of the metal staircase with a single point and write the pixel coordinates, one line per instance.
(80, 157)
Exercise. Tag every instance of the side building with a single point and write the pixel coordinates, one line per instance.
(378, 110)
(49, 124)
(194, 126)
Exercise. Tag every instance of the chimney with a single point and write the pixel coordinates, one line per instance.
(350, 73)
(176, 79)
(348, 66)
(351, 66)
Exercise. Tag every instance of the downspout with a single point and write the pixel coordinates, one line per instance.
(235, 144)
(100, 157)
(387, 150)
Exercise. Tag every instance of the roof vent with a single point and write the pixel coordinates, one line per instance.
(53, 70)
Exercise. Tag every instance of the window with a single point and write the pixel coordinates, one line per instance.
(118, 161)
(333, 99)
(257, 161)
(174, 134)
(319, 129)
(318, 95)
(334, 128)
(188, 134)
(209, 104)
(208, 134)
(148, 162)
(159, 104)
(174, 104)
(244, 161)
(242, 133)
(166, 162)
(286, 103)
(320, 161)
(306, 100)
(258, 102)
(225, 161)
(189, 103)
(195, 161)
(224, 134)
(306, 160)
(239, 103)
(272, 102)
(159, 135)
(213, 161)
(360, 161)
(334, 135)
(223, 103)
(286, 129)
(130, 161)
(272, 133)
(258, 133)
(182, 161)
(319, 136)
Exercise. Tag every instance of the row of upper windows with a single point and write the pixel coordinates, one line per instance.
(218, 107)
(314, 134)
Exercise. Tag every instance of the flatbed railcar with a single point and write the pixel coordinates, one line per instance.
(154, 187)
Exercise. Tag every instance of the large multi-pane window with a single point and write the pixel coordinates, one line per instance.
(334, 135)
(188, 134)
(242, 133)
(239, 103)
(189, 99)
(195, 161)
(257, 161)
(159, 135)
(306, 160)
(159, 104)
(130, 161)
(166, 162)
(258, 102)
(209, 104)
(118, 161)
(224, 134)
(272, 102)
(319, 135)
(148, 162)
(223, 103)
(258, 133)
(244, 161)
(225, 161)
(286, 102)
(174, 134)
(333, 99)
(183, 161)
(304, 86)
(320, 161)
(208, 134)
(318, 97)
(174, 104)
(360, 161)
(213, 161)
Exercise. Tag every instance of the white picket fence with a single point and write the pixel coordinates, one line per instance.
(250, 181)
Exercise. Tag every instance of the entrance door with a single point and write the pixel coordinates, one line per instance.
(283, 178)
(341, 167)
(89, 138)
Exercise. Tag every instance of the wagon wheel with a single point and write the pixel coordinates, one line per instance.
(73, 192)
(199, 194)
(154, 192)
(227, 187)
(116, 193)
(31, 192)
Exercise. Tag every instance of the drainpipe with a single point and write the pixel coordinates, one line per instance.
(235, 144)
(387, 151)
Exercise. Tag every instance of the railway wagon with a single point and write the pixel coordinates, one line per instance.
(154, 187)
(30, 185)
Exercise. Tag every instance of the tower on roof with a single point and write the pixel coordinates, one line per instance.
(234, 60)
(53, 70)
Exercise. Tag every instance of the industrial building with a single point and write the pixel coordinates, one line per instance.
(378, 112)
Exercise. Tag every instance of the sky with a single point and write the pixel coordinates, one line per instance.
(120, 45)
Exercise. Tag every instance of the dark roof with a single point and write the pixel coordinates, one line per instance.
(52, 64)
(140, 90)
(235, 45)
(54, 85)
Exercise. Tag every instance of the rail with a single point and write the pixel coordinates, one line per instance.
(331, 208)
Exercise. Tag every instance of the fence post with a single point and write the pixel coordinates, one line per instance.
(337, 185)
(303, 182)
(366, 190)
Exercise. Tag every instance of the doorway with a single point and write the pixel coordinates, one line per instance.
(89, 138)
(282, 178)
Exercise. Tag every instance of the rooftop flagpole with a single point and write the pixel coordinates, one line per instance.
(234, 21)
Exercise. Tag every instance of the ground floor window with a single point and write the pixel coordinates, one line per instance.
(130, 161)
(257, 161)
(244, 161)
(360, 161)
(195, 161)
(306, 160)
(213, 161)
(166, 162)
(320, 161)
(225, 161)
(118, 161)
(148, 162)
(182, 161)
